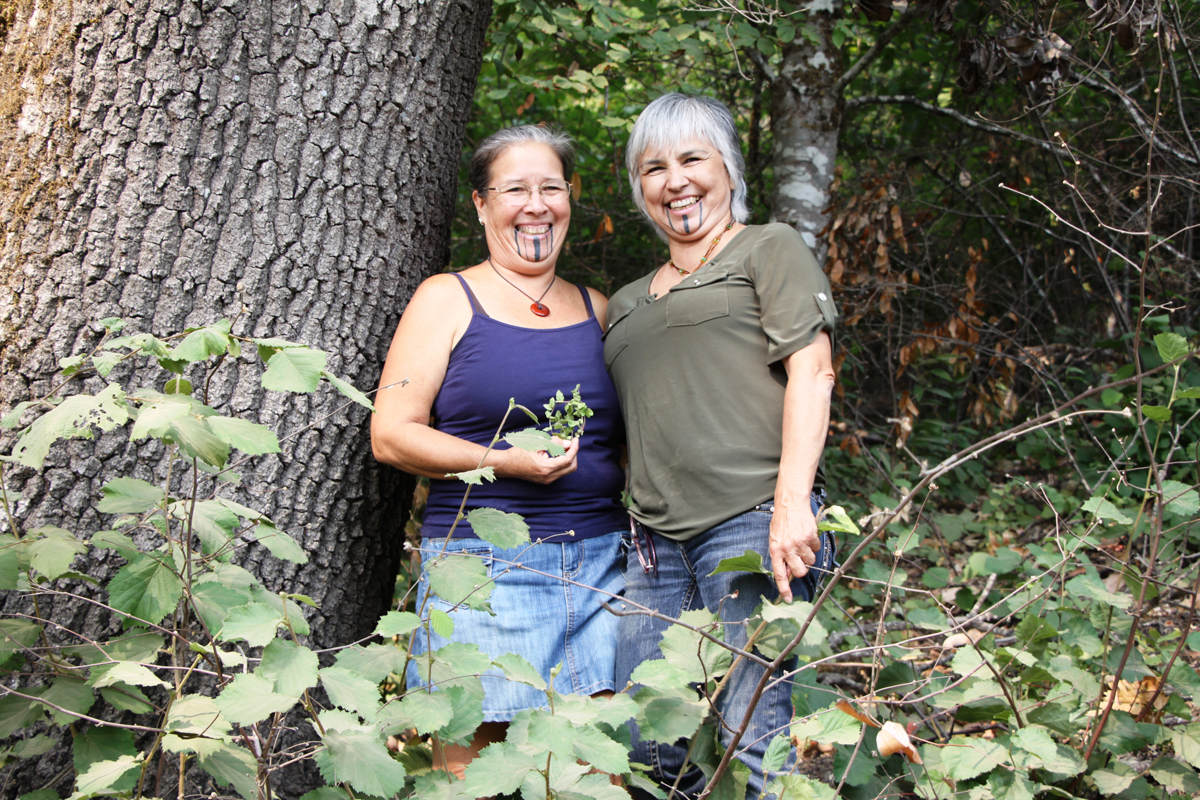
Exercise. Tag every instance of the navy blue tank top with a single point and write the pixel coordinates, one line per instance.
(495, 361)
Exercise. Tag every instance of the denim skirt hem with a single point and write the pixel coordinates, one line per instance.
(547, 611)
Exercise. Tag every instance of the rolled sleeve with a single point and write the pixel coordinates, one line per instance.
(794, 296)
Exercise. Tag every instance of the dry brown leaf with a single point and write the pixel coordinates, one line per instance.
(892, 738)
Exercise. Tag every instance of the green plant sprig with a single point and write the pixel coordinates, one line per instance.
(569, 421)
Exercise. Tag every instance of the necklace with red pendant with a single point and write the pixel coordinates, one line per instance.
(538, 307)
(711, 247)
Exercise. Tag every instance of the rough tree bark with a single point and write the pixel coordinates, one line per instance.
(290, 164)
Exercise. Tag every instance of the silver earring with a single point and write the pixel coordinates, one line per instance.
(481, 220)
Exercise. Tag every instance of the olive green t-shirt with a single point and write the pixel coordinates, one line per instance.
(700, 379)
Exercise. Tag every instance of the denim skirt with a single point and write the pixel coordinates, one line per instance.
(547, 612)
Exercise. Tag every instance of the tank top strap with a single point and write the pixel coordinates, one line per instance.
(587, 301)
(475, 306)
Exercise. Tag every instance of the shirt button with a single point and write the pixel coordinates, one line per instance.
(821, 296)
(696, 282)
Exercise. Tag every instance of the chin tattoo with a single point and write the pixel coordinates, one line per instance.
(523, 250)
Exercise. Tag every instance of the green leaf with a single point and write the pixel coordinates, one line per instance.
(127, 698)
(1188, 394)
(799, 787)
(601, 751)
(105, 777)
(1103, 509)
(155, 418)
(294, 369)
(777, 753)
(1123, 734)
(17, 713)
(349, 390)
(699, 658)
(280, 545)
(213, 602)
(460, 579)
(204, 342)
(1186, 742)
(1054, 757)
(360, 759)
(835, 518)
(351, 691)
(289, 667)
(249, 437)
(613, 122)
(73, 418)
(52, 554)
(499, 769)
(1173, 774)
(95, 745)
(12, 554)
(73, 695)
(1092, 587)
(749, 561)
(397, 623)
(129, 496)
(197, 440)
(211, 521)
(500, 528)
(115, 540)
(15, 636)
(146, 589)
(12, 418)
(831, 726)
(1181, 498)
(251, 698)
(535, 441)
(667, 719)
(1156, 413)
(374, 662)
(965, 757)
(428, 711)
(518, 669)
(194, 724)
(1171, 346)
(475, 477)
(32, 748)
(254, 622)
(441, 623)
(1114, 780)
(129, 672)
(233, 766)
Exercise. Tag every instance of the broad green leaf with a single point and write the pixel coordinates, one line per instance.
(831, 726)
(115, 540)
(582, 710)
(539, 732)
(252, 698)
(1113, 780)
(500, 528)
(1011, 785)
(777, 753)
(835, 518)
(1123, 734)
(665, 677)
(294, 369)
(397, 623)
(666, 719)
(280, 545)
(289, 667)
(534, 440)
(105, 777)
(1188, 394)
(687, 650)
(194, 724)
(475, 477)
(594, 747)
(965, 757)
(73, 695)
(374, 662)
(124, 672)
(233, 766)
(129, 496)
(1187, 743)
(1092, 587)
(213, 602)
(16, 635)
(17, 713)
(456, 664)
(197, 440)
(1105, 510)
(351, 691)
(1171, 346)
(204, 342)
(360, 759)
(285, 606)
(441, 623)
(73, 418)
(518, 669)
(1181, 498)
(127, 698)
(460, 580)
(1174, 774)
(155, 418)
(145, 589)
(32, 748)
(52, 554)
(1054, 757)
(499, 769)
(12, 553)
(254, 622)
(96, 745)
(348, 390)
(250, 437)
(338, 793)
(799, 787)
(12, 418)
(211, 521)
(1005, 560)
(428, 711)
(748, 561)
(1156, 413)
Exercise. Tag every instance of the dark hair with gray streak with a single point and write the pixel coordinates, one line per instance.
(675, 118)
(491, 148)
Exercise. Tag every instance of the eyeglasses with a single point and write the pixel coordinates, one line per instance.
(641, 537)
(520, 193)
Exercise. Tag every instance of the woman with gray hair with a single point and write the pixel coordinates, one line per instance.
(466, 344)
(722, 359)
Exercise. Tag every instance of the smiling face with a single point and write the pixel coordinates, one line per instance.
(686, 188)
(529, 230)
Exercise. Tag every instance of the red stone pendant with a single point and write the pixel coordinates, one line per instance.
(540, 309)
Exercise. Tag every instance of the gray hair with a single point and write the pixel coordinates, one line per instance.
(675, 118)
(480, 171)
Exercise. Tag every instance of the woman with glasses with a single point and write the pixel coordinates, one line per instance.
(722, 358)
(466, 344)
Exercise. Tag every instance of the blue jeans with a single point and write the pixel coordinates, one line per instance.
(683, 584)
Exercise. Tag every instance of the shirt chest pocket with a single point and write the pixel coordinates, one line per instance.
(698, 298)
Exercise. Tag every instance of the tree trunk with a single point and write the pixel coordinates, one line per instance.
(291, 166)
(806, 114)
